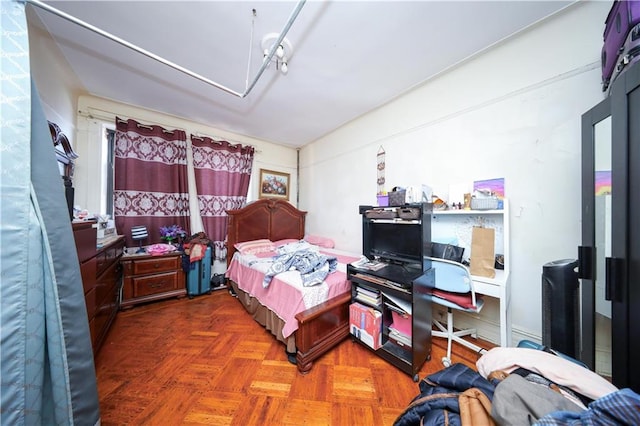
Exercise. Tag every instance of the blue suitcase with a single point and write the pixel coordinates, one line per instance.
(199, 276)
(533, 345)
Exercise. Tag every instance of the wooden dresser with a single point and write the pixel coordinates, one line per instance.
(148, 278)
(101, 278)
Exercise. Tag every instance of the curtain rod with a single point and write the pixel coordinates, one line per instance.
(146, 126)
(99, 114)
(173, 65)
(201, 137)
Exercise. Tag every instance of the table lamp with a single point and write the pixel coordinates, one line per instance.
(139, 233)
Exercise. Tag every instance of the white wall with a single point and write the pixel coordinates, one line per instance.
(512, 112)
(55, 81)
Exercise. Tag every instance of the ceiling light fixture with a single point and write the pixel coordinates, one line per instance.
(283, 51)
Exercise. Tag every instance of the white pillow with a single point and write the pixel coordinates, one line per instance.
(255, 246)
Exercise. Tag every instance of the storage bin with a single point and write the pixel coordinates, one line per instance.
(409, 212)
(381, 214)
(484, 203)
(397, 198)
(383, 200)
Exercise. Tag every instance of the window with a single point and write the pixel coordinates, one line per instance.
(108, 154)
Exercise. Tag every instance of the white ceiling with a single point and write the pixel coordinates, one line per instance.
(349, 57)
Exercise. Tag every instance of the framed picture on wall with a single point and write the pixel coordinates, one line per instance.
(274, 184)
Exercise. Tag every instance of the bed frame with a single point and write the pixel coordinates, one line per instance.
(320, 328)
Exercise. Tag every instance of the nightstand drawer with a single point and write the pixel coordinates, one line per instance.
(155, 265)
(154, 284)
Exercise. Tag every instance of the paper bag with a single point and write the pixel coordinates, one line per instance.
(482, 252)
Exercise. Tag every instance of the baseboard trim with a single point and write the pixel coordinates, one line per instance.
(487, 329)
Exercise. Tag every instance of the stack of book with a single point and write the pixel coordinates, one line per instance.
(398, 337)
(400, 327)
(370, 297)
(371, 265)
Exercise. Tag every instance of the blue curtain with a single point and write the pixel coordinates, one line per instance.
(47, 373)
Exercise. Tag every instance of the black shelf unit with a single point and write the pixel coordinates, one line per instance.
(408, 280)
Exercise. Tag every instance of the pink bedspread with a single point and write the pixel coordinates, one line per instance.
(285, 295)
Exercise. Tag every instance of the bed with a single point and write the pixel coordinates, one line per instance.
(308, 332)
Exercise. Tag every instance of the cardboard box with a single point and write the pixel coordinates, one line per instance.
(365, 324)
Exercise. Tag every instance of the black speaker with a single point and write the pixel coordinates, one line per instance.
(561, 306)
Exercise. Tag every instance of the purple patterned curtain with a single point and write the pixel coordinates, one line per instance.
(222, 173)
(150, 179)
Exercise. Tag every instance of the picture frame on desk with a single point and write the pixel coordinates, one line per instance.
(274, 184)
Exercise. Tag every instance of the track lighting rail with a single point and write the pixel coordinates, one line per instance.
(265, 63)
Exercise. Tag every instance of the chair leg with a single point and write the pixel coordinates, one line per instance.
(442, 332)
(452, 335)
(469, 332)
(449, 332)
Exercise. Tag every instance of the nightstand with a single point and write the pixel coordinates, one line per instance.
(148, 278)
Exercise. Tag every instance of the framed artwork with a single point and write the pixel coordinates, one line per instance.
(274, 184)
(495, 186)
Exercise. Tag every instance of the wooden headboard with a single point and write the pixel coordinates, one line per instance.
(268, 218)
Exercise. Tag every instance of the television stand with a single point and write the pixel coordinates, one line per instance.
(399, 292)
(392, 295)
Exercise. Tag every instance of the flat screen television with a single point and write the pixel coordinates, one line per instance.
(393, 242)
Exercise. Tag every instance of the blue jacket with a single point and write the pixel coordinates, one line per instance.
(438, 403)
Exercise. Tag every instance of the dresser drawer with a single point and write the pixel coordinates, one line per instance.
(85, 237)
(90, 302)
(154, 284)
(88, 273)
(108, 256)
(155, 265)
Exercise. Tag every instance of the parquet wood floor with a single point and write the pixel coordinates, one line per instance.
(204, 361)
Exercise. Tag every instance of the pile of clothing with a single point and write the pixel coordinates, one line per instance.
(194, 249)
(304, 258)
(520, 386)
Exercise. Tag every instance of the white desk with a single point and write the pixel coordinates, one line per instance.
(455, 227)
(498, 288)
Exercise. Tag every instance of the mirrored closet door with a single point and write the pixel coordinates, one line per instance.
(609, 257)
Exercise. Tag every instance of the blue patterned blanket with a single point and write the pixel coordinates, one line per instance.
(313, 266)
